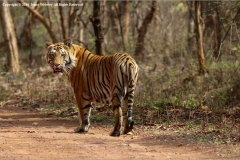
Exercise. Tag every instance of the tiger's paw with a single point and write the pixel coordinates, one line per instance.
(80, 129)
(115, 133)
(128, 132)
(128, 128)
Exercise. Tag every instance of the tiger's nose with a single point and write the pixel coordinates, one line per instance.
(56, 66)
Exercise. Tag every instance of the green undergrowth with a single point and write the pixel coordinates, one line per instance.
(186, 90)
(204, 107)
(183, 96)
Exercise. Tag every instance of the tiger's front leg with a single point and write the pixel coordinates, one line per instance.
(84, 115)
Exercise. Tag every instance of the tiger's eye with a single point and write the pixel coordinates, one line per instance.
(52, 53)
(63, 55)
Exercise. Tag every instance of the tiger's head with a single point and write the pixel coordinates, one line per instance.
(60, 56)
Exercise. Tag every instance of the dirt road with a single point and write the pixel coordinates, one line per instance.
(31, 135)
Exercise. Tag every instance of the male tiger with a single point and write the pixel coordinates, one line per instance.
(108, 79)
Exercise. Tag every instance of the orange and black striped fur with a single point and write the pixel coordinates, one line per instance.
(108, 79)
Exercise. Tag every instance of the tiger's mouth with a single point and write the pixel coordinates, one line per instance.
(57, 69)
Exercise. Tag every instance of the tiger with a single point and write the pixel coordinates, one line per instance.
(109, 79)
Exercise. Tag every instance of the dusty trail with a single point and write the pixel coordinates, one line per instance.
(30, 135)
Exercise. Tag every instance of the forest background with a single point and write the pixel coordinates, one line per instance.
(188, 53)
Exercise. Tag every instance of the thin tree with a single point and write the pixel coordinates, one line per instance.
(126, 17)
(143, 30)
(64, 34)
(10, 39)
(212, 25)
(96, 22)
(118, 7)
(71, 19)
(113, 20)
(191, 33)
(217, 29)
(199, 37)
(82, 25)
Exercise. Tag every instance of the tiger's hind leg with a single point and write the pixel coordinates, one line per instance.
(117, 111)
(128, 104)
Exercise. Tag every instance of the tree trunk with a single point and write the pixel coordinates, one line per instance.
(125, 19)
(10, 39)
(73, 15)
(167, 48)
(199, 36)
(191, 35)
(143, 30)
(64, 34)
(114, 30)
(42, 19)
(119, 9)
(96, 22)
(217, 31)
(82, 25)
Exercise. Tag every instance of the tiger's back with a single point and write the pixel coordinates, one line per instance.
(101, 75)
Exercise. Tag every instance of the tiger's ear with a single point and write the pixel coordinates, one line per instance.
(68, 42)
(48, 44)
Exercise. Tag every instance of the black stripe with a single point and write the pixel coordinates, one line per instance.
(76, 80)
(130, 106)
(130, 101)
(123, 81)
(87, 106)
(118, 89)
(116, 96)
(86, 99)
(103, 84)
(130, 96)
(86, 121)
(116, 107)
(80, 70)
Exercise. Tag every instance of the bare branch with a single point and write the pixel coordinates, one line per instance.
(42, 19)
